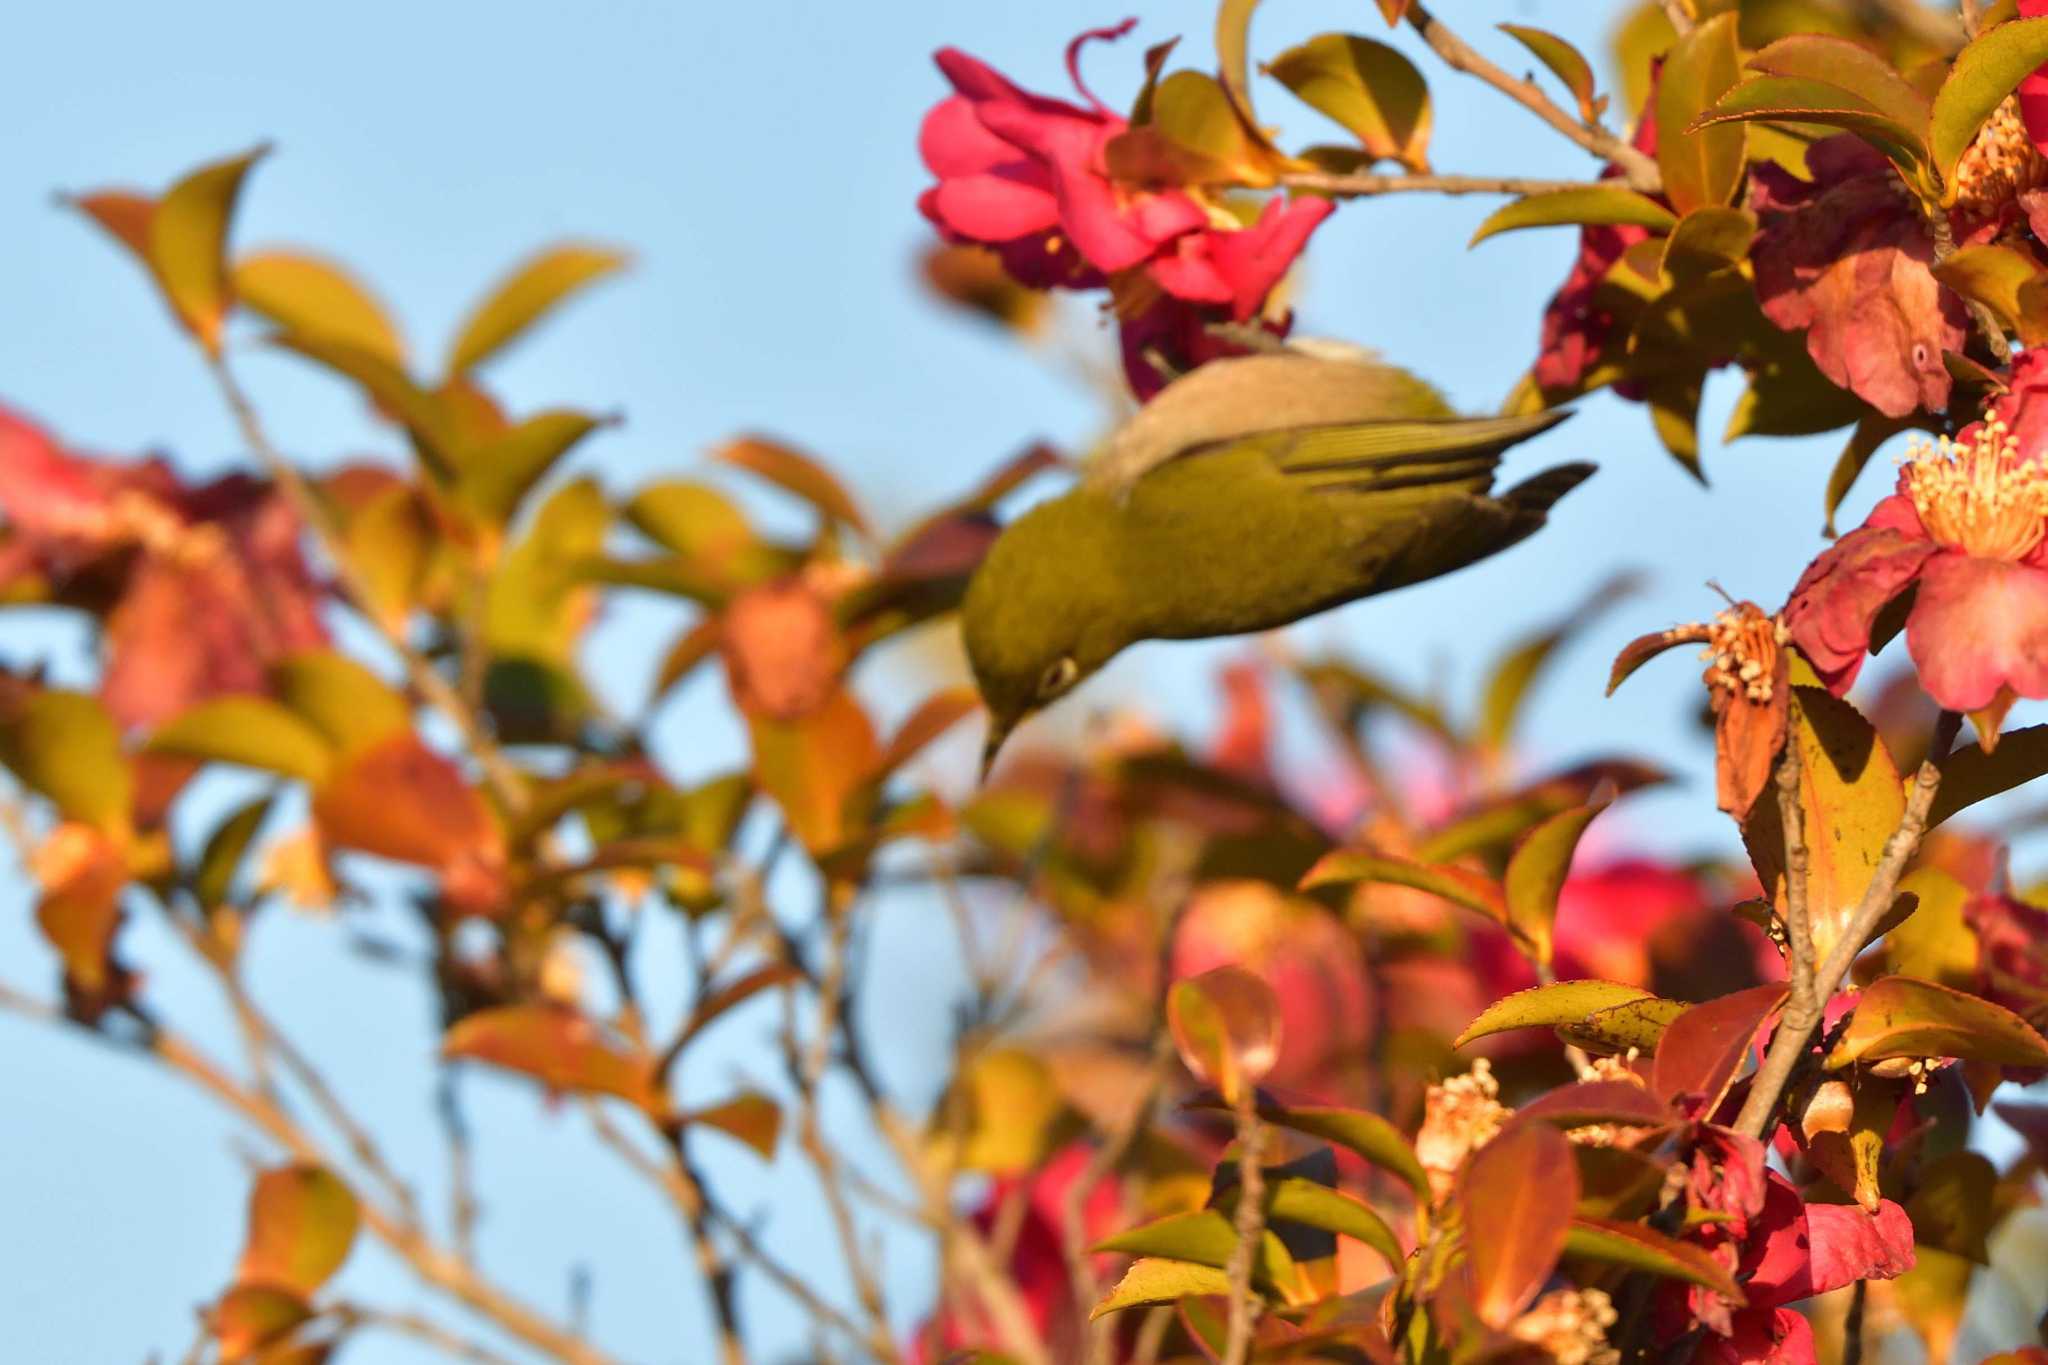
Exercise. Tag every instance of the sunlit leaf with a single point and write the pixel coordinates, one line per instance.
(1591, 205)
(250, 1317)
(1193, 135)
(64, 747)
(1636, 1247)
(302, 1223)
(752, 1118)
(313, 297)
(350, 706)
(1295, 1199)
(1226, 1024)
(1233, 58)
(1156, 1280)
(496, 477)
(1574, 1106)
(1703, 1049)
(252, 731)
(188, 236)
(534, 288)
(1356, 1130)
(1616, 1029)
(1367, 87)
(1562, 1002)
(1955, 1206)
(1518, 1193)
(558, 1047)
(1702, 166)
(401, 800)
(1979, 80)
(794, 472)
(1536, 874)
(1005, 1108)
(1566, 63)
(1899, 1016)
(813, 767)
(1458, 885)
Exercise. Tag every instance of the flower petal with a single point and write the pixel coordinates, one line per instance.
(993, 208)
(953, 141)
(1977, 625)
(1255, 259)
(1839, 596)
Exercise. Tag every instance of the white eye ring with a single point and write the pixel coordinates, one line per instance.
(1059, 677)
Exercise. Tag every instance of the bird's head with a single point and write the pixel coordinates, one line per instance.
(1039, 616)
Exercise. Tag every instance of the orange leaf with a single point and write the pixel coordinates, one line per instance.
(1703, 1049)
(1899, 1016)
(82, 874)
(302, 1222)
(558, 1047)
(814, 767)
(400, 800)
(1518, 1193)
(783, 652)
(751, 1118)
(123, 214)
(250, 1317)
(1226, 1024)
(794, 472)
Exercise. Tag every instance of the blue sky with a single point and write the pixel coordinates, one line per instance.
(760, 161)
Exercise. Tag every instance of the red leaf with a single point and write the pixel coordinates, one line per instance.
(1703, 1049)
(1518, 1193)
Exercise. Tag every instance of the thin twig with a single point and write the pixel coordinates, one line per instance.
(434, 1265)
(1074, 1206)
(1361, 186)
(462, 1203)
(1789, 1044)
(1639, 170)
(1250, 1225)
(1852, 1325)
(355, 1317)
(506, 780)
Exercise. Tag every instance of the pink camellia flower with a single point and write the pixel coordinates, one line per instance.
(1967, 532)
(1026, 175)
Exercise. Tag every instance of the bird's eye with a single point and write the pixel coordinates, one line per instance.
(1059, 677)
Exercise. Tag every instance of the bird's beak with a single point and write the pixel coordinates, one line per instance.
(999, 728)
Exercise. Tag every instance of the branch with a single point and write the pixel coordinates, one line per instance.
(354, 1317)
(505, 778)
(1074, 1206)
(433, 1264)
(1361, 186)
(1789, 1044)
(1640, 171)
(1250, 1224)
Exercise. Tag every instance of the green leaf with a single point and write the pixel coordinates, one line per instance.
(308, 296)
(1454, 884)
(1359, 1131)
(1846, 65)
(1561, 1002)
(302, 1222)
(188, 237)
(534, 288)
(1711, 237)
(1784, 99)
(1702, 165)
(1899, 1016)
(254, 732)
(1635, 1247)
(1969, 775)
(1367, 87)
(1595, 205)
(1956, 1205)
(1205, 1238)
(1518, 1193)
(1153, 1280)
(1997, 277)
(349, 706)
(1537, 871)
(1193, 134)
(213, 875)
(1296, 1199)
(1981, 77)
(1637, 1024)
(496, 478)
(66, 748)
(1566, 63)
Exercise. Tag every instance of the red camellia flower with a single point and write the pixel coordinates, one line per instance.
(1965, 532)
(1026, 175)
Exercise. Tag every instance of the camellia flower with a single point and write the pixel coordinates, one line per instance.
(1965, 532)
(1026, 174)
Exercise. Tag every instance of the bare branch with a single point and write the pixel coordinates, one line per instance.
(1250, 1224)
(1362, 186)
(1639, 170)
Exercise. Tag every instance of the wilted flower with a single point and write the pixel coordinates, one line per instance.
(1459, 1116)
(1846, 257)
(1964, 531)
(1570, 1326)
(1026, 174)
(1748, 682)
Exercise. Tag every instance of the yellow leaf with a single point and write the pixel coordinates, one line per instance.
(188, 237)
(534, 288)
(306, 295)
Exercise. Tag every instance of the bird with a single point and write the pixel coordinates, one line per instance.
(1248, 494)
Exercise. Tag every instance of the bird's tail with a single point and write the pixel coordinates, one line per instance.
(1540, 492)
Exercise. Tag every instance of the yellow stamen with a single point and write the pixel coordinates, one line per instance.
(2000, 165)
(1979, 497)
(1742, 650)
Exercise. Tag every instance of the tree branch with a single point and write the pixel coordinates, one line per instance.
(1250, 1224)
(1362, 186)
(1789, 1044)
(1639, 171)
(506, 780)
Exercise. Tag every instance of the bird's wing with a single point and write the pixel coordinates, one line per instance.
(1385, 456)
(1243, 396)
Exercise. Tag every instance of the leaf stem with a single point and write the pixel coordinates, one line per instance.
(1639, 170)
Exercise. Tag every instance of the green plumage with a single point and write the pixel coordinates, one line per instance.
(1217, 513)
